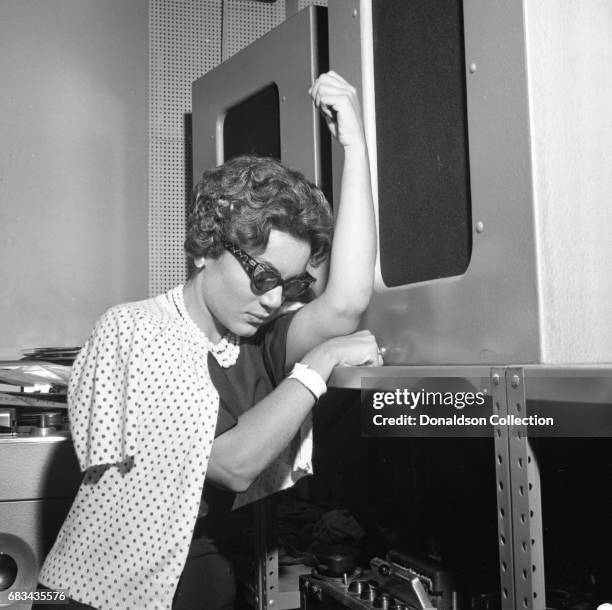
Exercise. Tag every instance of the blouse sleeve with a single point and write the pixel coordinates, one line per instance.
(104, 391)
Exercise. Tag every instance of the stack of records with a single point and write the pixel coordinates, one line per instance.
(37, 400)
(57, 355)
(41, 370)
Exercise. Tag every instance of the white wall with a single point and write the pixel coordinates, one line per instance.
(73, 166)
(569, 51)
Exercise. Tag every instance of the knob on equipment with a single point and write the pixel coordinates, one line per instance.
(369, 592)
(356, 586)
(18, 567)
(8, 571)
(382, 601)
(384, 569)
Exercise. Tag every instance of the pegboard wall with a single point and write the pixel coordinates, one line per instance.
(187, 39)
(185, 42)
(246, 20)
(304, 3)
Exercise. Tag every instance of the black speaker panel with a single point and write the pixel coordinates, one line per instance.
(422, 142)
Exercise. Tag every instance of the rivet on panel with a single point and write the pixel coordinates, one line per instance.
(515, 381)
(496, 379)
(472, 68)
(284, 98)
(479, 226)
(355, 12)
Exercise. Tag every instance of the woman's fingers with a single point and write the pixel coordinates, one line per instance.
(359, 349)
(330, 84)
(338, 102)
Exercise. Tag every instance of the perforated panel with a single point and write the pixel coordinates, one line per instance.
(185, 42)
(245, 21)
(187, 39)
(304, 3)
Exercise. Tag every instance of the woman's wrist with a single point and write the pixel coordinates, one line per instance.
(357, 147)
(321, 359)
(309, 378)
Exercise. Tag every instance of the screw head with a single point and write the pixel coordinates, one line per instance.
(496, 379)
(515, 381)
(354, 12)
(479, 226)
(472, 68)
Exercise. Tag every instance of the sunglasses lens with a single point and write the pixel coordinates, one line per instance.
(294, 288)
(264, 280)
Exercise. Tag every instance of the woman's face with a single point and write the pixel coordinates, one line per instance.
(225, 287)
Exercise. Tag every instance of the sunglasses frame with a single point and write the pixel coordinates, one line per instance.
(252, 267)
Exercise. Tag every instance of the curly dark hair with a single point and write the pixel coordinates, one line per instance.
(242, 200)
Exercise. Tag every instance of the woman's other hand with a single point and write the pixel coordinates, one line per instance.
(357, 349)
(338, 103)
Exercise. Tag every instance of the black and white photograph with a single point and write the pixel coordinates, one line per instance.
(305, 304)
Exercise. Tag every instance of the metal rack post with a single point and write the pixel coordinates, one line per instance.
(267, 559)
(529, 590)
(504, 490)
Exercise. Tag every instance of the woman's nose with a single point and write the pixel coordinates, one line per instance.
(272, 299)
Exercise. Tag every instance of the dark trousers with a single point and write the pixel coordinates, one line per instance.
(207, 583)
(71, 605)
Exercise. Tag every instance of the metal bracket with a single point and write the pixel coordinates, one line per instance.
(527, 529)
(519, 505)
(267, 558)
(503, 487)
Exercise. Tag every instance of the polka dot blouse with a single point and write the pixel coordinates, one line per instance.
(143, 412)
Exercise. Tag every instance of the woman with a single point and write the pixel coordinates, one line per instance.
(205, 382)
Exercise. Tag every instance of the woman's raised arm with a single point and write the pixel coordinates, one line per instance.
(336, 311)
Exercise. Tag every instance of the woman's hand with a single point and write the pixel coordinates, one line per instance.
(357, 349)
(338, 103)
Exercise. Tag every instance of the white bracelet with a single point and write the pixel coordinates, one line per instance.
(310, 379)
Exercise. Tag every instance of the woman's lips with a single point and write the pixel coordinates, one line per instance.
(257, 319)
